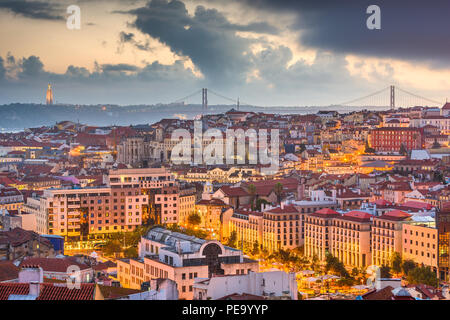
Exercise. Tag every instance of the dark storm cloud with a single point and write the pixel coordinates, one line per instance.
(25, 79)
(122, 67)
(33, 9)
(2, 69)
(31, 67)
(125, 37)
(324, 81)
(32, 70)
(410, 29)
(207, 37)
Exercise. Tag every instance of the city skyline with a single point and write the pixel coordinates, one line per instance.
(148, 52)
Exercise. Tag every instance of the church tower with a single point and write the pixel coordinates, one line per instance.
(49, 96)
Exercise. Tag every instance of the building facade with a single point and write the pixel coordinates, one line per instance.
(181, 258)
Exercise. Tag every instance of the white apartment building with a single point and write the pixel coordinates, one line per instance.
(181, 258)
(273, 285)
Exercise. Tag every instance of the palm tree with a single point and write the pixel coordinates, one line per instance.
(278, 190)
(251, 189)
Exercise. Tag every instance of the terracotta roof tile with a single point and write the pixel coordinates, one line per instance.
(53, 264)
(8, 271)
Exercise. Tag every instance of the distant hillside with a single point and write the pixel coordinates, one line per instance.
(19, 116)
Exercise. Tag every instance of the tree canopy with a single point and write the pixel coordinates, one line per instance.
(423, 275)
(194, 219)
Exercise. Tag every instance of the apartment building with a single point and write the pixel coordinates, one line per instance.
(89, 211)
(163, 205)
(275, 228)
(391, 139)
(248, 226)
(277, 285)
(443, 226)
(181, 258)
(420, 243)
(146, 178)
(158, 183)
(387, 236)
(317, 232)
(10, 198)
(186, 204)
(350, 238)
(281, 228)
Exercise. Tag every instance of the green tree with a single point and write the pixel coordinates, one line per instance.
(251, 189)
(302, 147)
(396, 262)
(407, 266)
(190, 232)
(131, 252)
(264, 253)
(403, 150)
(255, 249)
(259, 203)
(423, 275)
(385, 272)
(435, 145)
(439, 177)
(368, 149)
(112, 248)
(334, 265)
(278, 190)
(194, 219)
(314, 262)
(347, 282)
(232, 239)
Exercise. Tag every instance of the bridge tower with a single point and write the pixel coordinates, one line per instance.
(392, 97)
(204, 99)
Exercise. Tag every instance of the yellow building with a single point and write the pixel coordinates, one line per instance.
(317, 226)
(210, 212)
(350, 238)
(387, 236)
(186, 204)
(420, 244)
(248, 226)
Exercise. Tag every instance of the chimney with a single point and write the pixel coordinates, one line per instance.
(30, 274)
(34, 288)
(282, 205)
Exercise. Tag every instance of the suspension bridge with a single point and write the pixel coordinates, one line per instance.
(390, 97)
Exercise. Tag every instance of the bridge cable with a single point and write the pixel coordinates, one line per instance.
(188, 96)
(362, 98)
(417, 96)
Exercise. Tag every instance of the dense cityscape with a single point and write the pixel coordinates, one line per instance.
(201, 159)
(357, 208)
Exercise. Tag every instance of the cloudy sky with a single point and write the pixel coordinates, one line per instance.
(266, 52)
